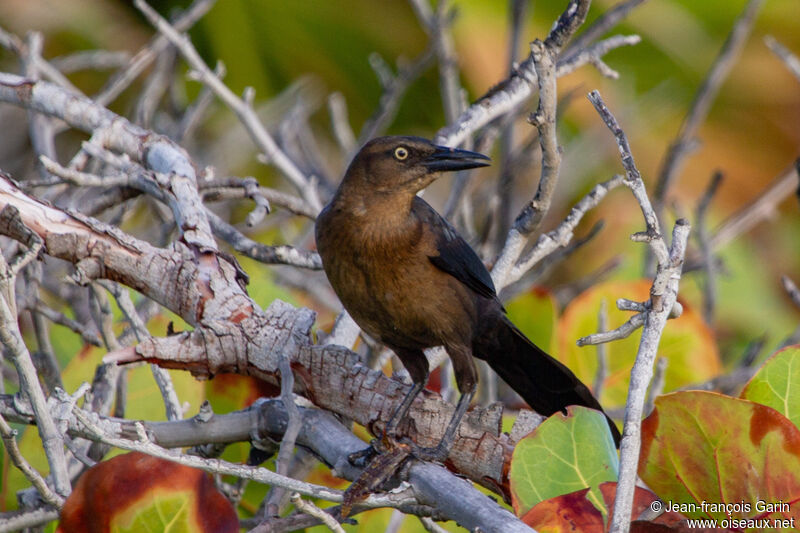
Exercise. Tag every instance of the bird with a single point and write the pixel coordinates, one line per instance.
(410, 281)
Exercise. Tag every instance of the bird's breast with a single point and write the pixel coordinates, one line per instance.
(384, 278)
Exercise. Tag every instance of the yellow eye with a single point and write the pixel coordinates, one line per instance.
(400, 153)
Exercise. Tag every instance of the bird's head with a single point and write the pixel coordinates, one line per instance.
(407, 164)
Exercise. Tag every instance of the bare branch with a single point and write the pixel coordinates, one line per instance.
(19, 521)
(663, 295)
(241, 107)
(791, 289)
(394, 87)
(9, 439)
(312, 510)
(761, 208)
(600, 26)
(11, 338)
(709, 261)
(791, 61)
(139, 62)
(509, 94)
(673, 161)
(545, 121)
(602, 352)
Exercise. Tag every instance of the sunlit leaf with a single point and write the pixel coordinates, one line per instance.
(705, 447)
(687, 343)
(562, 455)
(777, 384)
(534, 313)
(137, 492)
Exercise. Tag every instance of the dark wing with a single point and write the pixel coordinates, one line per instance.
(456, 257)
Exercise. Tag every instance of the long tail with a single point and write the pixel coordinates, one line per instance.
(543, 382)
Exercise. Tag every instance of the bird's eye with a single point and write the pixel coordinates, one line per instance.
(400, 153)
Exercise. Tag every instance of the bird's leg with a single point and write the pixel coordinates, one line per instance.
(387, 439)
(467, 380)
(439, 453)
(416, 364)
(389, 430)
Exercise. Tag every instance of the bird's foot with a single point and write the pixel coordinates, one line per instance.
(383, 444)
(435, 454)
(390, 444)
(362, 458)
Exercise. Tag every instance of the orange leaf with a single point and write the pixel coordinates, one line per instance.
(721, 457)
(133, 489)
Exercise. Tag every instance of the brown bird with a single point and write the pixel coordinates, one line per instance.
(410, 281)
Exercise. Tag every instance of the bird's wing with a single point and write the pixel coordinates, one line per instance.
(455, 256)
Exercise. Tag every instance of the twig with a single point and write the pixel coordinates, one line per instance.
(15, 44)
(11, 339)
(600, 26)
(602, 352)
(293, 426)
(791, 289)
(213, 189)
(90, 60)
(122, 79)
(594, 53)
(663, 295)
(216, 466)
(729, 382)
(45, 357)
(60, 318)
(20, 520)
(312, 510)
(430, 525)
(394, 87)
(560, 237)
(155, 86)
(791, 61)
(9, 439)
(545, 121)
(703, 238)
(620, 332)
(437, 25)
(337, 108)
(42, 132)
(241, 107)
(759, 209)
(161, 375)
(277, 254)
(505, 182)
(673, 161)
(194, 112)
(510, 93)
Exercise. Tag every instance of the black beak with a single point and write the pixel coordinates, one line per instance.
(445, 159)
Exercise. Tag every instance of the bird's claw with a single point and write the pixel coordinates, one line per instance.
(384, 443)
(435, 454)
(362, 458)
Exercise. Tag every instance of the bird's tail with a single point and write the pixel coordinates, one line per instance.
(544, 383)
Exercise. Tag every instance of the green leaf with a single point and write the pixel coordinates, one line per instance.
(534, 313)
(563, 455)
(777, 384)
(169, 512)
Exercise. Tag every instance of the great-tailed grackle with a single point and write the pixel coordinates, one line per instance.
(410, 281)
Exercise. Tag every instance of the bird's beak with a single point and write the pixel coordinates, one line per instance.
(446, 159)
